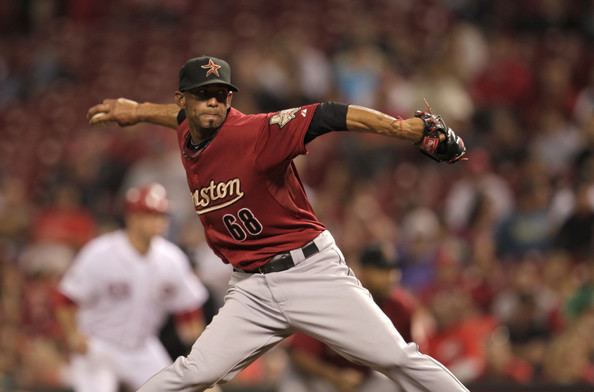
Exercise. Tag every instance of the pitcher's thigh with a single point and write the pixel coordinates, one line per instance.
(342, 314)
(363, 332)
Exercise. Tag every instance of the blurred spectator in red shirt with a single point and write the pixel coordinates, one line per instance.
(502, 363)
(461, 335)
(65, 221)
(507, 80)
(42, 361)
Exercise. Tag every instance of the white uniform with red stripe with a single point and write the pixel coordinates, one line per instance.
(123, 299)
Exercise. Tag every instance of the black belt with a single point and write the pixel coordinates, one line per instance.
(282, 261)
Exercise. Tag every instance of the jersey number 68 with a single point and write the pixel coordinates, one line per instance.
(242, 224)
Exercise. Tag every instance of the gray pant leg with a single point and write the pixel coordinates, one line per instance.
(325, 300)
(247, 325)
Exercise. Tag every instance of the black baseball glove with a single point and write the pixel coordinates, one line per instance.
(447, 148)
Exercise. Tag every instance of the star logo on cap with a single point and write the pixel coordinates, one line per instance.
(212, 67)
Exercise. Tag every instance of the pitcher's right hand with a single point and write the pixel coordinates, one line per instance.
(121, 111)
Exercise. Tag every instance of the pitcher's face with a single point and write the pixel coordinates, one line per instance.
(206, 107)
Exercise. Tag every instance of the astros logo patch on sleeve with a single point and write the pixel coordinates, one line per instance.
(283, 117)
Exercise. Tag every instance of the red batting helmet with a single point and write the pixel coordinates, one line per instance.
(147, 198)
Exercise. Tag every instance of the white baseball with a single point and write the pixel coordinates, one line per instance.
(98, 117)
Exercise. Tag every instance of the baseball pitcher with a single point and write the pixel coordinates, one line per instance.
(289, 274)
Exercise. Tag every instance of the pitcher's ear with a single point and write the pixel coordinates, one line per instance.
(180, 99)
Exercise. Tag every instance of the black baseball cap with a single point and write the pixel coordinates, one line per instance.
(374, 256)
(205, 70)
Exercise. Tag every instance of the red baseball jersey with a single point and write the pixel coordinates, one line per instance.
(245, 187)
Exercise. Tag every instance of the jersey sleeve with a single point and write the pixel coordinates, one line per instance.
(283, 136)
(79, 283)
(190, 293)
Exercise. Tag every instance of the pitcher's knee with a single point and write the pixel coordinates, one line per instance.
(402, 357)
(197, 374)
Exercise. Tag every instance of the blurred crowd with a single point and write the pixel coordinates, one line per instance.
(499, 249)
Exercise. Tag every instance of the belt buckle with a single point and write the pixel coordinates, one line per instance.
(278, 263)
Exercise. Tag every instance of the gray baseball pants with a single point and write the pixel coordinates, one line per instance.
(319, 296)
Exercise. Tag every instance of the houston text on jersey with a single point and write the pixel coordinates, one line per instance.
(206, 198)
